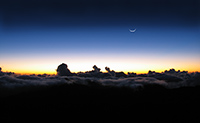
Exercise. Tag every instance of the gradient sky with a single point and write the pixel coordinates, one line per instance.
(38, 35)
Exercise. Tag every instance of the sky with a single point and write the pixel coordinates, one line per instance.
(38, 35)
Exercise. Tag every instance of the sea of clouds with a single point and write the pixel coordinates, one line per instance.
(168, 79)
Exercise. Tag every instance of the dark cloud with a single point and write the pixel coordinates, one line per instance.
(176, 79)
(27, 77)
(25, 81)
(96, 93)
(112, 73)
(96, 72)
(132, 74)
(132, 82)
(168, 79)
(11, 81)
(1, 73)
(62, 70)
(96, 69)
(120, 74)
(5, 73)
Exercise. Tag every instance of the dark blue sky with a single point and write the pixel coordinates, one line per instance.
(96, 28)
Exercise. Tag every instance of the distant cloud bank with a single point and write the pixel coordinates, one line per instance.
(168, 79)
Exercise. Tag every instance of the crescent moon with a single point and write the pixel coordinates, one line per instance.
(132, 30)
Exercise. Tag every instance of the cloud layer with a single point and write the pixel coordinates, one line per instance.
(168, 79)
(52, 97)
(99, 93)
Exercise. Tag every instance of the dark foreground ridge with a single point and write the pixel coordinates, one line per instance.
(66, 102)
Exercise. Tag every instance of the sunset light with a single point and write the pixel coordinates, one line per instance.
(100, 60)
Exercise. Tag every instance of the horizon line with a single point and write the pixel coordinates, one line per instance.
(126, 72)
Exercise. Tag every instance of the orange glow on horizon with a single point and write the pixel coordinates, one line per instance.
(138, 70)
(126, 72)
(136, 64)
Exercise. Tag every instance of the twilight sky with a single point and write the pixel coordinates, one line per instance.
(38, 35)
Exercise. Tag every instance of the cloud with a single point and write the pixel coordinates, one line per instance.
(115, 74)
(28, 77)
(62, 70)
(96, 69)
(168, 79)
(1, 73)
(28, 80)
(7, 81)
(111, 73)
(96, 72)
(132, 82)
(47, 94)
